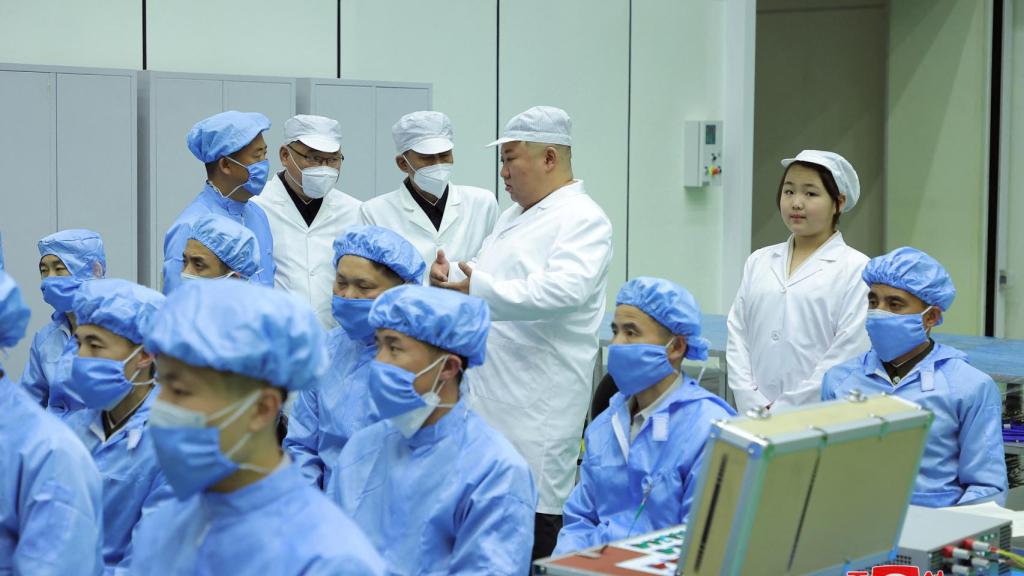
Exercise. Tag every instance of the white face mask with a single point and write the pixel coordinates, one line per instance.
(411, 421)
(432, 179)
(315, 182)
(185, 277)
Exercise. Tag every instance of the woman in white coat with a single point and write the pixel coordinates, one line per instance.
(801, 305)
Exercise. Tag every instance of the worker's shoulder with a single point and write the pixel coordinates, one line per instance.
(38, 436)
(494, 446)
(385, 200)
(692, 399)
(844, 371)
(961, 375)
(476, 195)
(338, 199)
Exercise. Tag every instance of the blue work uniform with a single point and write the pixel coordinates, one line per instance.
(278, 525)
(132, 481)
(455, 498)
(210, 201)
(324, 418)
(963, 457)
(49, 364)
(51, 507)
(632, 487)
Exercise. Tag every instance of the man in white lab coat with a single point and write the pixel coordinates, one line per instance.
(428, 210)
(543, 271)
(306, 212)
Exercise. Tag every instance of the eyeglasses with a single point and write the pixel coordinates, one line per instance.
(332, 161)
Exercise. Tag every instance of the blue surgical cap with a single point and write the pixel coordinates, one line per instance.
(670, 305)
(225, 133)
(1, 251)
(446, 319)
(80, 250)
(13, 312)
(234, 244)
(914, 271)
(117, 305)
(383, 247)
(242, 328)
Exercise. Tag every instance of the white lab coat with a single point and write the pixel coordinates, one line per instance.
(469, 216)
(786, 332)
(304, 254)
(543, 273)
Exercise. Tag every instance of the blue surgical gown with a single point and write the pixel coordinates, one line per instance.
(51, 507)
(279, 525)
(324, 418)
(963, 459)
(663, 462)
(49, 365)
(455, 498)
(132, 481)
(210, 201)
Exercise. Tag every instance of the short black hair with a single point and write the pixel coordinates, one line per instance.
(826, 179)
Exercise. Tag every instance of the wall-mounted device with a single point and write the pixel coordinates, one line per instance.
(702, 146)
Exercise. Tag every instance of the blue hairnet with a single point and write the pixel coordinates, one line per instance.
(383, 247)
(234, 244)
(242, 328)
(117, 305)
(1, 251)
(670, 305)
(13, 312)
(914, 271)
(79, 249)
(446, 319)
(225, 133)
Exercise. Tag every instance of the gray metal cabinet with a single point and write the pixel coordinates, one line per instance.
(169, 104)
(366, 111)
(68, 153)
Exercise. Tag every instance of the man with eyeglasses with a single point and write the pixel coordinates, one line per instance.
(306, 212)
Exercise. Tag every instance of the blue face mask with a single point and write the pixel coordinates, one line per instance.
(59, 292)
(637, 367)
(353, 314)
(188, 449)
(100, 382)
(396, 398)
(258, 172)
(893, 335)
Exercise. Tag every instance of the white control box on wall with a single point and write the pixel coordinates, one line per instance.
(702, 149)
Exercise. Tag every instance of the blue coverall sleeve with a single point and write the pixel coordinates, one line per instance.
(496, 532)
(303, 440)
(61, 517)
(33, 380)
(159, 492)
(982, 468)
(174, 262)
(580, 522)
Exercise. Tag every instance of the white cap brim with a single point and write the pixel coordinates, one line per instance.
(537, 137)
(434, 145)
(320, 143)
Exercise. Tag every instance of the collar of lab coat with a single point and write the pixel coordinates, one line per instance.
(923, 371)
(618, 406)
(416, 215)
(563, 194)
(267, 491)
(450, 422)
(233, 207)
(828, 252)
(275, 193)
(133, 428)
